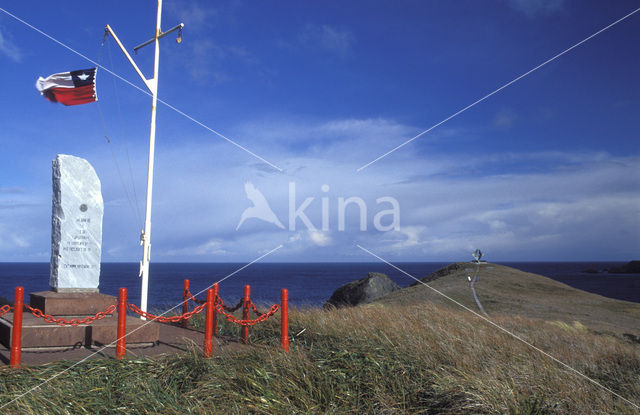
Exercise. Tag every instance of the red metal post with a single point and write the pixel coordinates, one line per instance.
(215, 311)
(284, 314)
(185, 303)
(121, 348)
(208, 324)
(244, 332)
(15, 357)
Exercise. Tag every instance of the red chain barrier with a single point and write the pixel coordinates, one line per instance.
(189, 296)
(233, 319)
(226, 307)
(254, 309)
(172, 319)
(74, 321)
(5, 309)
(234, 308)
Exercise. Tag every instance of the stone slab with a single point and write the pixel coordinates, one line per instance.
(76, 225)
(71, 303)
(38, 333)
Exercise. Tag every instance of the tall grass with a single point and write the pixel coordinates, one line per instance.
(371, 359)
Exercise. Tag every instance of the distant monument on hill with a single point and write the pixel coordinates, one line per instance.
(477, 255)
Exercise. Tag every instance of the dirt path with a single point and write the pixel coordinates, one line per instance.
(473, 290)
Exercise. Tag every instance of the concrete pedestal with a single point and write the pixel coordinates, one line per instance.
(71, 303)
(38, 333)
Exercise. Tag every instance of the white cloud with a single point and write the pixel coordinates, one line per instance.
(209, 59)
(25, 227)
(114, 251)
(195, 17)
(209, 248)
(8, 48)
(583, 205)
(511, 214)
(20, 241)
(11, 240)
(504, 118)
(11, 190)
(408, 237)
(295, 237)
(206, 59)
(332, 39)
(320, 238)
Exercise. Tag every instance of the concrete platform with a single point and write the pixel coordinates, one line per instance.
(38, 333)
(71, 303)
(172, 339)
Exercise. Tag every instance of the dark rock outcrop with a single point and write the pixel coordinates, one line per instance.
(443, 272)
(364, 290)
(633, 267)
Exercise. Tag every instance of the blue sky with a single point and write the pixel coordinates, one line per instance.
(546, 169)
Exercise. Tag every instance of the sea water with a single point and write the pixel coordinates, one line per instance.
(308, 283)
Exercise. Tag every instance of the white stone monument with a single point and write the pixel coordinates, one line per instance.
(76, 228)
(75, 269)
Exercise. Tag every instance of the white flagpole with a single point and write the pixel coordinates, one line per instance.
(146, 234)
(152, 85)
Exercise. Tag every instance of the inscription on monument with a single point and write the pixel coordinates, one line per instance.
(76, 236)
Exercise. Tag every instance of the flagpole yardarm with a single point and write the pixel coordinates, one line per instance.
(108, 29)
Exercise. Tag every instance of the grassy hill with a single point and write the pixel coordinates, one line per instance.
(506, 291)
(409, 353)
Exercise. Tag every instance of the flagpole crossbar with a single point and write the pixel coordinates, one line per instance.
(161, 35)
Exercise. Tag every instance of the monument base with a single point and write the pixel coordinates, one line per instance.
(38, 333)
(71, 303)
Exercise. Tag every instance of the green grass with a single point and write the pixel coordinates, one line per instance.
(370, 359)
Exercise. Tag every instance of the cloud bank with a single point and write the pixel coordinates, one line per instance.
(580, 205)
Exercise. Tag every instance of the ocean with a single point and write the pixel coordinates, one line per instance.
(309, 284)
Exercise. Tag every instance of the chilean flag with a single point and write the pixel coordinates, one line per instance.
(69, 88)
